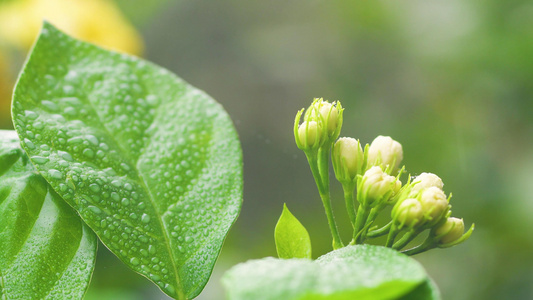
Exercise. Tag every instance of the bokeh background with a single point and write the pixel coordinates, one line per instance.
(451, 80)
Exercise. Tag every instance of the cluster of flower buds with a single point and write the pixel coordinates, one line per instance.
(321, 125)
(374, 172)
(424, 205)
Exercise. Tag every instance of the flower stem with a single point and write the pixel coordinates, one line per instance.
(349, 201)
(392, 236)
(322, 181)
(379, 232)
(360, 221)
(428, 244)
(408, 237)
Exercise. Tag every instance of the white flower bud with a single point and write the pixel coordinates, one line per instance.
(408, 213)
(451, 230)
(424, 181)
(348, 158)
(309, 134)
(330, 115)
(434, 202)
(386, 152)
(377, 186)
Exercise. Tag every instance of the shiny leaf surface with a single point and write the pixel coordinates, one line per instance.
(353, 272)
(150, 163)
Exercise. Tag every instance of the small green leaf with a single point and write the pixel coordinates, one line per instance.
(292, 239)
(361, 272)
(46, 251)
(150, 163)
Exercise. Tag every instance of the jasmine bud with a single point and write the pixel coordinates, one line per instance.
(348, 158)
(385, 152)
(450, 231)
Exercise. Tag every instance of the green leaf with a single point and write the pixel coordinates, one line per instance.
(426, 291)
(353, 272)
(150, 163)
(46, 251)
(292, 239)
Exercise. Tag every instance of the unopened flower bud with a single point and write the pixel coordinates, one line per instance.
(386, 152)
(330, 115)
(434, 202)
(376, 187)
(424, 181)
(450, 231)
(309, 134)
(408, 213)
(348, 158)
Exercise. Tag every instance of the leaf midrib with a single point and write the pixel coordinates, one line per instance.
(145, 186)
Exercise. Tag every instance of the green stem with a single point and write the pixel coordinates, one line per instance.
(323, 163)
(369, 221)
(392, 235)
(349, 201)
(322, 182)
(406, 238)
(379, 232)
(360, 221)
(337, 243)
(312, 160)
(428, 244)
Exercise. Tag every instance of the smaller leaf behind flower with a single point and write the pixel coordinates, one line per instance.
(46, 251)
(292, 239)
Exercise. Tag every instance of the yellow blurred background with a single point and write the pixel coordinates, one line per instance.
(451, 80)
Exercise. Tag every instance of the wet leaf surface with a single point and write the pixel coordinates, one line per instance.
(353, 272)
(150, 163)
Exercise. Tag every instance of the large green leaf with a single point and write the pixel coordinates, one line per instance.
(46, 251)
(353, 272)
(426, 291)
(150, 163)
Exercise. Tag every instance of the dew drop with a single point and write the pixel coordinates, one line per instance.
(135, 261)
(115, 196)
(75, 140)
(116, 183)
(70, 111)
(39, 159)
(155, 277)
(55, 174)
(170, 289)
(92, 139)
(94, 187)
(94, 209)
(145, 218)
(88, 152)
(51, 106)
(29, 144)
(31, 115)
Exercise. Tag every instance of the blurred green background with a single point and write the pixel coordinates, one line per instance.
(451, 80)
